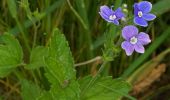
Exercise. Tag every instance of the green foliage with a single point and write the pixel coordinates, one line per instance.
(105, 88)
(12, 8)
(47, 72)
(60, 70)
(10, 54)
(60, 73)
(30, 91)
(71, 92)
(161, 7)
(37, 57)
(110, 48)
(59, 61)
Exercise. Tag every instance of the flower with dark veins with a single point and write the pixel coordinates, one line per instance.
(141, 13)
(133, 40)
(111, 16)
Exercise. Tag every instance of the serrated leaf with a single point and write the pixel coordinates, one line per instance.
(104, 88)
(29, 90)
(59, 61)
(60, 70)
(45, 96)
(37, 57)
(10, 54)
(71, 92)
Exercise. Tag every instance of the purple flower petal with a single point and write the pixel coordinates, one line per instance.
(139, 47)
(149, 17)
(129, 31)
(119, 14)
(106, 10)
(136, 9)
(104, 16)
(145, 6)
(140, 21)
(116, 22)
(105, 13)
(128, 47)
(143, 38)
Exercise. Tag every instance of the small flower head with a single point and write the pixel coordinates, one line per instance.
(111, 16)
(133, 40)
(141, 13)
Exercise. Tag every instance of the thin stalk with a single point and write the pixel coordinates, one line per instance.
(35, 35)
(23, 35)
(116, 91)
(98, 58)
(48, 11)
(34, 77)
(77, 15)
(92, 81)
(21, 76)
(18, 74)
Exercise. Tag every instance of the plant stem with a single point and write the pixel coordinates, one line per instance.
(98, 58)
(92, 81)
(34, 77)
(77, 15)
(35, 34)
(23, 35)
(18, 75)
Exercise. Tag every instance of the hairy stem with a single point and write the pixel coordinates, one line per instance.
(98, 58)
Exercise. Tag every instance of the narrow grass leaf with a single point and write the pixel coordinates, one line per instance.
(12, 8)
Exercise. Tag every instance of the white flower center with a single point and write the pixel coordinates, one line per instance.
(133, 40)
(140, 14)
(112, 17)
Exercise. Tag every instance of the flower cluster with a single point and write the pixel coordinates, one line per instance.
(134, 40)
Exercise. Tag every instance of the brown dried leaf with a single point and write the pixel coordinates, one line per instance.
(151, 77)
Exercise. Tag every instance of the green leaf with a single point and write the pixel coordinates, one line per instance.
(59, 61)
(11, 54)
(29, 90)
(37, 57)
(46, 96)
(71, 92)
(60, 70)
(105, 88)
(161, 7)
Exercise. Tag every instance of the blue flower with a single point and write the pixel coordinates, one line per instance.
(141, 13)
(134, 41)
(111, 16)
